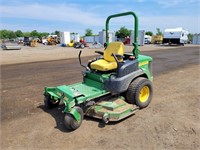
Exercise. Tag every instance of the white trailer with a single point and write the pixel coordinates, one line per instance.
(175, 36)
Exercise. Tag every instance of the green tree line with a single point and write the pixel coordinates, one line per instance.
(9, 34)
(124, 32)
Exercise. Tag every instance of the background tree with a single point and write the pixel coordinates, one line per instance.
(12, 35)
(123, 32)
(42, 34)
(149, 33)
(8, 34)
(4, 34)
(190, 36)
(158, 31)
(34, 33)
(56, 33)
(27, 34)
(88, 32)
(19, 33)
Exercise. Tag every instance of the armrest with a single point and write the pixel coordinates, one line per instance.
(99, 52)
(118, 56)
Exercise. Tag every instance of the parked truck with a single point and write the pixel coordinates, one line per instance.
(157, 39)
(147, 39)
(175, 36)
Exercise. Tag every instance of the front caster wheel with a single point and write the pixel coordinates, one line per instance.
(49, 103)
(70, 122)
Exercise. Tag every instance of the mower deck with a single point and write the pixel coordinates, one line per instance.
(114, 109)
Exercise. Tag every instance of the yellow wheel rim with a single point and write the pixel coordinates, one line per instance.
(144, 94)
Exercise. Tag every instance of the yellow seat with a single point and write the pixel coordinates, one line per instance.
(108, 62)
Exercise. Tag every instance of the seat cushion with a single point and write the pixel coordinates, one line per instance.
(103, 65)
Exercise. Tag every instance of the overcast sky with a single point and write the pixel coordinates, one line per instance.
(78, 15)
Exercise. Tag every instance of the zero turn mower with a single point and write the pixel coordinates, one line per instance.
(115, 85)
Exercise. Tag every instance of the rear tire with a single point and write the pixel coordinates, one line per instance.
(140, 92)
(70, 122)
(49, 103)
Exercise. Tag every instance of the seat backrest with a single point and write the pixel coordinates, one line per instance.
(113, 47)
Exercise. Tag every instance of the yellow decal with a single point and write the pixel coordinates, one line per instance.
(143, 63)
(59, 94)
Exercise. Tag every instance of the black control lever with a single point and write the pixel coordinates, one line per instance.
(79, 57)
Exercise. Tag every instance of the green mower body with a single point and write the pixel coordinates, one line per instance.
(110, 96)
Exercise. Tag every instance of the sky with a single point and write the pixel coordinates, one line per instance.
(78, 15)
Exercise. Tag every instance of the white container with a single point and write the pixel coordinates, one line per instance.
(77, 38)
(102, 37)
(91, 39)
(141, 34)
(196, 39)
(64, 37)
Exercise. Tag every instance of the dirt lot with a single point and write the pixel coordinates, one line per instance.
(170, 122)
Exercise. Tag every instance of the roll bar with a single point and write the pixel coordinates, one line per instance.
(135, 50)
